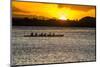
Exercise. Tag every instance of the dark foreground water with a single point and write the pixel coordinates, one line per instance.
(78, 44)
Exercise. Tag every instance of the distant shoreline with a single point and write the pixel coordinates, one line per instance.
(49, 28)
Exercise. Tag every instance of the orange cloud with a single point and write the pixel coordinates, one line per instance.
(51, 10)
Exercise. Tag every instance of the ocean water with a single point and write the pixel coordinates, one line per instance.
(77, 45)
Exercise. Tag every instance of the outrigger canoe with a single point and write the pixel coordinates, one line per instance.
(57, 35)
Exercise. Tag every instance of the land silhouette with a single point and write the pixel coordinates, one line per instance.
(83, 22)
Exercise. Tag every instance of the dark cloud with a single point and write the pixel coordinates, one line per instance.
(77, 7)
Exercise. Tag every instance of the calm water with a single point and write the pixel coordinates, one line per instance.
(78, 44)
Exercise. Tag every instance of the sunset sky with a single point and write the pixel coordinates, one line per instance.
(58, 11)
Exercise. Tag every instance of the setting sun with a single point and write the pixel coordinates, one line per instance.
(62, 18)
(49, 11)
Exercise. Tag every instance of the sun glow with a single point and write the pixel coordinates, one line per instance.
(56, 11)
(62, 18)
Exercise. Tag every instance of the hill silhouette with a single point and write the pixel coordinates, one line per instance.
(83, 22)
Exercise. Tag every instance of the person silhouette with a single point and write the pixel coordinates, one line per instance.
(36, 34)
(31, 34)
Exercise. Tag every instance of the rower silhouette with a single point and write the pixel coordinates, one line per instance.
(31, 34)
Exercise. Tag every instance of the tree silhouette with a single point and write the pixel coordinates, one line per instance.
(83, 22)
